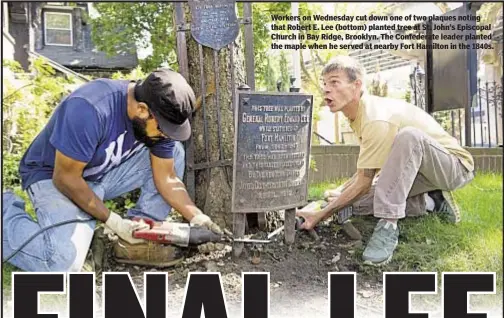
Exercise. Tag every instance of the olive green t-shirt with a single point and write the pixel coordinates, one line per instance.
(378, 121)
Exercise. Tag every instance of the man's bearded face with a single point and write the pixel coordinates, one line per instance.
(140, 131)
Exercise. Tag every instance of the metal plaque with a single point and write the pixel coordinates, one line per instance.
(214, 22)
(450, 66)
(271, 151)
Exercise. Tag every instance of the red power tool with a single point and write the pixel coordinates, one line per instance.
(180, 234)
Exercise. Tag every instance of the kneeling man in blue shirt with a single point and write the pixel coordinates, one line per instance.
(107, 138)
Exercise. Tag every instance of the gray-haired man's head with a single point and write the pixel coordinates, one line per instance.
(343, 79)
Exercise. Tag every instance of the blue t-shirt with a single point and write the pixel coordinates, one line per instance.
(90, 125)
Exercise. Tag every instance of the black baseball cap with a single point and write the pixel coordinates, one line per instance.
(171, 101)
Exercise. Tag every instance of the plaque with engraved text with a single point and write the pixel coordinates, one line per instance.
(271, 152)
(214, 22)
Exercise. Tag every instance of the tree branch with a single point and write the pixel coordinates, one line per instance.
(316, 73)
(319, 59)
(17, 90)
(443, 6)
(308, 75)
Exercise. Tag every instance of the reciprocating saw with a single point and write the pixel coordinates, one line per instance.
(182, 234)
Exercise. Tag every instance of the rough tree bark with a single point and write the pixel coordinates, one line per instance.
(214, 185)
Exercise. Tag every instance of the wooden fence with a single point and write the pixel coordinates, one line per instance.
(340, 161)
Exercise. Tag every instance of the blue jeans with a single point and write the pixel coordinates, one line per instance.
(64, 248)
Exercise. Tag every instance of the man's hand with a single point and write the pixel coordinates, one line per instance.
(205, 221)
(124, 228)
(311, 219)
(352, 191)
(311, 215)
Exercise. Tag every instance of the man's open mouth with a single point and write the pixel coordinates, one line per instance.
(328, 101)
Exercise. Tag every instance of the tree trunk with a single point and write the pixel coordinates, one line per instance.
(214, 185)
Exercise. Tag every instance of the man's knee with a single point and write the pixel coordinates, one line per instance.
(64, 258)
(69, 255)
(179, 157)
(12, 204)
(409, 134)
(179, 146)
(143, 161)
(69, 243)
(179, 151)
(407, 138)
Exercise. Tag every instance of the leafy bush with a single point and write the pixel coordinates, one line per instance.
(378, 88)
(313, 163)
(28, 100)
(407, 96)
(135, 74)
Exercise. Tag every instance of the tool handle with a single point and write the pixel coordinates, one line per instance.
(299, 221)
(150, 222)
(199, 235)
(165, 233)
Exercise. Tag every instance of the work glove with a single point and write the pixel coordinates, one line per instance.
(124, 228)
(205, 221)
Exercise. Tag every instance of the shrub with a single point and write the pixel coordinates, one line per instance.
(28, 100)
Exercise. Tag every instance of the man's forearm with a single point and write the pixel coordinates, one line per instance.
(351, 194)
(77, 190)
(348, 183)
(174, 192)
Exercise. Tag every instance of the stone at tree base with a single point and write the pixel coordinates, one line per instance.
(211, 266)
(255, 260)
(98, 251)
(351, 231)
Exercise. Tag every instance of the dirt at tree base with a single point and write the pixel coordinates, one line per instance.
(306, 263)
(297, 270)
(298, 274)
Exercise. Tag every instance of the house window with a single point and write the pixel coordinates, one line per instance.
(58, 28)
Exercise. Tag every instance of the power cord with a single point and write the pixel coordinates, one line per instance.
(41, 231)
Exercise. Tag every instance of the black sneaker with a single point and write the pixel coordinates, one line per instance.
(444, 203)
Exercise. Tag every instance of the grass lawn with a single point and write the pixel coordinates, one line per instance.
(429, 244)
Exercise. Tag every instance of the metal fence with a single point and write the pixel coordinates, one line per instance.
(486, 118)
(417, 83)
(212, 119)
(486, 112)
(487, 115)
(182, 28)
